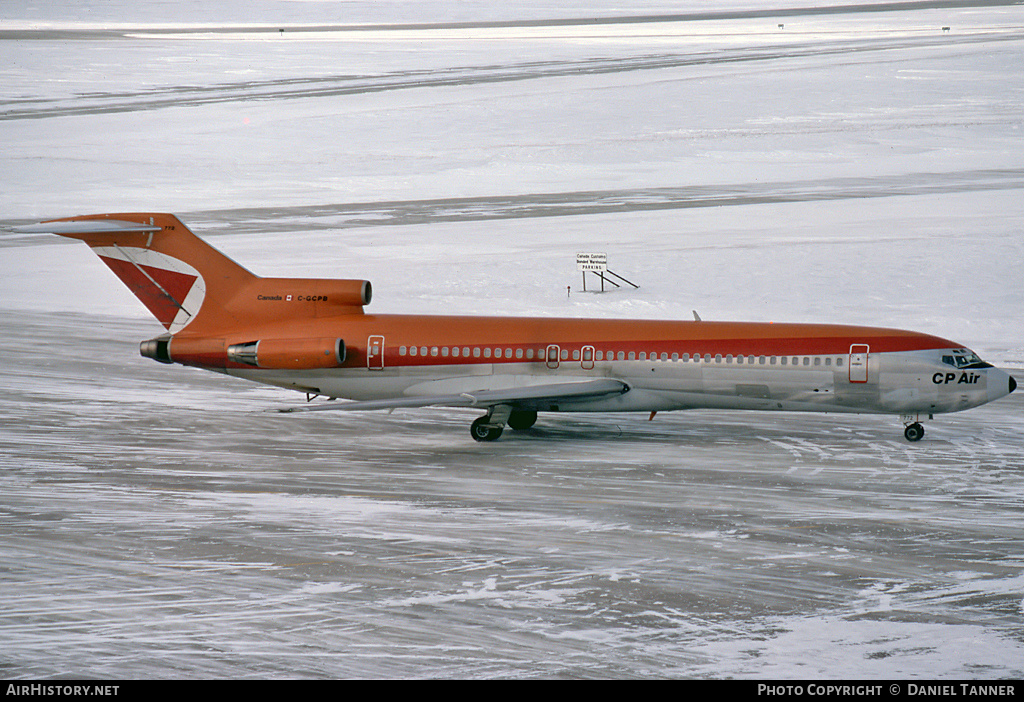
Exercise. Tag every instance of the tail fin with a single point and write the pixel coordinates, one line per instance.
(180, 278)
(185, 282)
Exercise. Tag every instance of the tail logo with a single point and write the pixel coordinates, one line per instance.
(172, 290)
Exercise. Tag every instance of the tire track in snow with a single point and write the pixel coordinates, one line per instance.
(342, 85)
(567, 204)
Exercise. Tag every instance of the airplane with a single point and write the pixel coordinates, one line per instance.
(314, 336)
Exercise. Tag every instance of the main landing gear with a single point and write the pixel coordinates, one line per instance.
(483, 430)
(491, 425)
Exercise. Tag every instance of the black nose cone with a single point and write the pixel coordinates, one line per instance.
(1013, 384)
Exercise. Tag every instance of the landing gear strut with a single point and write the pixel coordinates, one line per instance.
(914, 432)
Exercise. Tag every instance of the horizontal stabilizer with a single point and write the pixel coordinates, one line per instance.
(558, 392)
(93, 226)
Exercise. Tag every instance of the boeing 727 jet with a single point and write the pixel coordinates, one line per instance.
(314, 336)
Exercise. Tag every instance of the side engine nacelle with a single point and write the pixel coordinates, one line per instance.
(290, 354)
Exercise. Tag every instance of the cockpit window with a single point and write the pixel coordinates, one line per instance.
(964, 358)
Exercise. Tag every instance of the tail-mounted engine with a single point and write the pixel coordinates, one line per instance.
(157, 349)
(283, 354)
(292, 354)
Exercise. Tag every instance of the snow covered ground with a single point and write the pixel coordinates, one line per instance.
(852, 166)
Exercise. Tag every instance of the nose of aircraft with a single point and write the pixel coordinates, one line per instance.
(1000, 384)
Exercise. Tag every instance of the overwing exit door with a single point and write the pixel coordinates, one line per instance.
(552, 356)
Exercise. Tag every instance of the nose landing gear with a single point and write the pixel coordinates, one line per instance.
(914, 432)
(912, 428)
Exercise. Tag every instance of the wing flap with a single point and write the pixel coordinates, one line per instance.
(554, 392)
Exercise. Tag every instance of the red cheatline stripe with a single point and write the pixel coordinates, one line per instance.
(822, 346)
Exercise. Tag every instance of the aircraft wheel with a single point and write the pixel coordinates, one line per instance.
(481, 431)
(522, 419)
(914, 432)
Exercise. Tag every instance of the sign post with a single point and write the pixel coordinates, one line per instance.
(596, 262)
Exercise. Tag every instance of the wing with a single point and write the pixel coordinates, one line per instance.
(530, 395)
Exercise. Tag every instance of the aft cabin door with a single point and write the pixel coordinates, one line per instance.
(859, 363)
(375, 353)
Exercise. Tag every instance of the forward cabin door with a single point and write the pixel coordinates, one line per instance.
(375, 353)
(859, 363)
